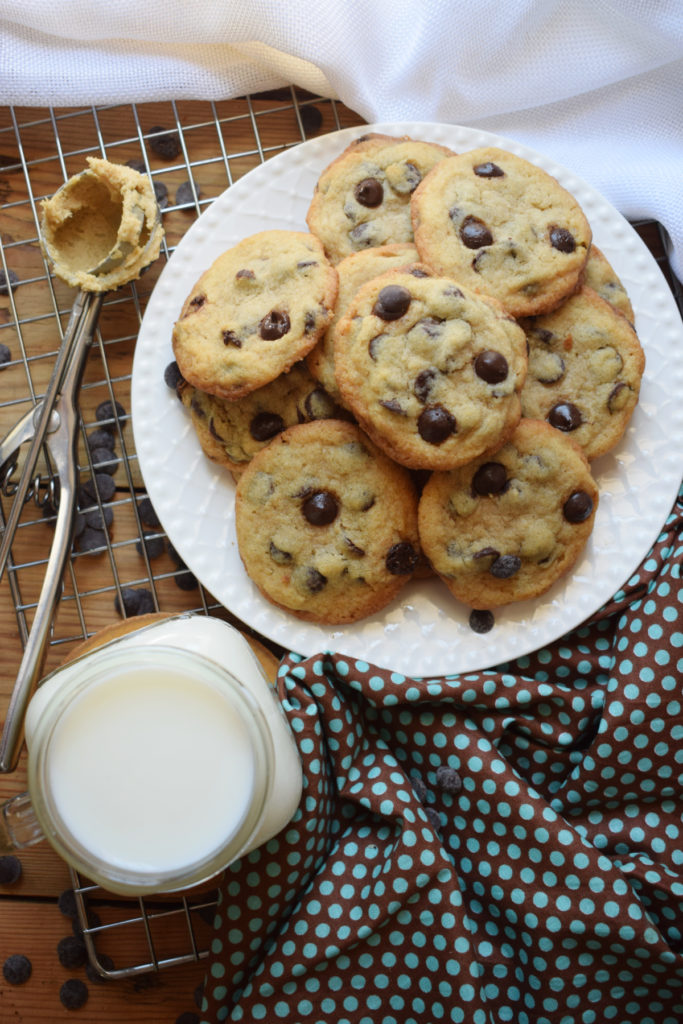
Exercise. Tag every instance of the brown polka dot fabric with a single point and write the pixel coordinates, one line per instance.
(505, 845)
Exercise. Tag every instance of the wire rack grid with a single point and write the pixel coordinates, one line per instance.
(192, 151)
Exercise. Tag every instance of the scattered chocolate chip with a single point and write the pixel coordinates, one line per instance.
(311, 119)
(561, 239)
(433, 817)
(8, 282)
(410, 180)
(197, 301)
(315, 581)
(369, 192)
(274, 325)
(320, 508)
(136, 601)
(92, 539)
(108, 411)
(164, 143)
(393, 405)
(542, 334)
(174, 556)
(491, 366)
(137, 165)
(419, 787)
(160, 194)
(98, 519)
(172, 376)
(93, 920)
(265, 425)
(17, 969)
(419, 272)
(431, 325)
(101, 438)
(231, 338)
(5, 354)
(363, 235)
(186, 580)
(104, 460)
(617, 397)
(489, 170)
(424, 382)
(374, 346)
(10, 870)
(392, 302)
(67, 903)
(578, 507)
(71, 952)
(148, 514)
(154, 546)
(565, 416)
(245, 274)
(279, 556)
(185, 196)
(435, 424)
(401, 559)
(505, 566)
(448, 779)
(309, 322)
(105, 962)
(487, 552)
(73, 994)
(490, 478)
(481, 620)
(474, 233)
(318, 405)
(353, 548)
(101, 484)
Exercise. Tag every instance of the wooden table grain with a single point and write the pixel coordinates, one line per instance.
(39, 149)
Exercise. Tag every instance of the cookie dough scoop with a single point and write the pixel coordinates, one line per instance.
(100, 230)
(102, 227)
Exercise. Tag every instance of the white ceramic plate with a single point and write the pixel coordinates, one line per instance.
(424, 631)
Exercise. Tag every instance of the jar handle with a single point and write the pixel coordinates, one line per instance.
(19, 826)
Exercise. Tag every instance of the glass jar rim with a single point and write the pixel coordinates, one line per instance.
(98, 667)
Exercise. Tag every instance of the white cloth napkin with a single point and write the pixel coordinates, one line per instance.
(597, 85)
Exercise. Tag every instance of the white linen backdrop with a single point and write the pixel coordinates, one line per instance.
(597, 85)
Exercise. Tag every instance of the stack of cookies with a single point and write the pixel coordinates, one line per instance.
(416, 385)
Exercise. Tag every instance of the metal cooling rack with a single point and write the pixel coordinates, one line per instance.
(39, 150)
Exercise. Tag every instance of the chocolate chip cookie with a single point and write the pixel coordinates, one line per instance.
(362, 198)
(585, 369)
(431, 370)
(326, 524)
(353, 271)
(600, 275)
(506, 528)
(257, 310)
(503, 226)
(231, 433)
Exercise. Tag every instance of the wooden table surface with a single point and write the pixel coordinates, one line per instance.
(156, 947)
(39, 149)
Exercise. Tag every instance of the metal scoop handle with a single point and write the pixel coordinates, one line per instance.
(63, 448)
(79, 313)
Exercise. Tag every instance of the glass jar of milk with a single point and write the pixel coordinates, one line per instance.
(157, 759)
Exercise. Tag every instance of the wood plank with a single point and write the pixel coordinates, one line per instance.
(34, 928)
